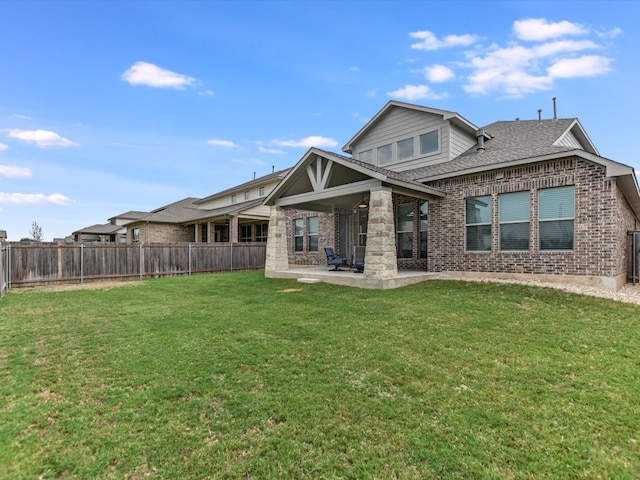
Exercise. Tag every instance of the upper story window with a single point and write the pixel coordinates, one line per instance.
(234, 199)
(247, 195)
(385, 154)
(366, 156)
(261, 192)
(429, 143)
(403, 150)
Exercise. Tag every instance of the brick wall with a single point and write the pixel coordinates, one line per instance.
(602, 218)
(162, 233)
(327, 233)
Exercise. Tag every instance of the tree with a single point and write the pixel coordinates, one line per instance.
(36, 232)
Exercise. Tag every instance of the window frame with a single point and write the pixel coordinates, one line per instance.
(298, 235)
(234, 198)
(502, 223)
(388, 146)
(313, 235)
(408, 141)
(262, 232)
(438, 148)
(408, 219)
(478, 225)
(558, 220)
(261, 192)
(246, 233)
(423, 221)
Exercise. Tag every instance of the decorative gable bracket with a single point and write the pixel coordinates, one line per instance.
(319, 171)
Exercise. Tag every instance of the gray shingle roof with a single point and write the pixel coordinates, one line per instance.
(511, 140)
(249, 184)
(100, 229)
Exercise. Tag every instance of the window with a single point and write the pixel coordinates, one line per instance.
(312, 243)
(405, 149)
(233, 199)
(478, 223)
(385, 155)
(363, 220)
(298, 235)
(515, 212)
(247, 195)
(424, 217)
(135, 235)
(429, 143)
(262, 232)
(261, 192)
(404, 230)
(556, 210)
(245, 233)
(366, 156)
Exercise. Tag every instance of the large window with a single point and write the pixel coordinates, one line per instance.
(405, 149)
(298, 235)
(404, 230)
(366, 156)
(385, 155)
(312, 243)
(478, 223)
(262, 232)
(515, 214)
(245, 233)
(556, 210)
(135, 235)
(363, 221)
(424, 219)
(429, 143)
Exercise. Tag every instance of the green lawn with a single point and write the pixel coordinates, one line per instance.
(238, 376)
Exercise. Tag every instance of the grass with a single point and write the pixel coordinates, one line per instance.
(238, 376)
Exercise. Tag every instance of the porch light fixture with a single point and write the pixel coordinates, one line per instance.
(363, 203)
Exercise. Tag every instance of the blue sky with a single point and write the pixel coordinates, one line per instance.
(107, 107)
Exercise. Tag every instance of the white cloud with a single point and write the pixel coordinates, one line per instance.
(22, 117)
(308, 142)
(42, 138)
(438, 73)
(3, 147)
(585, 66)
(216, 142)
(613, 33)
(430, 42)
(143, 73)
(539, 29)
(34, 199)
(272, 151)
(206, 93)
(12, 171)
(415, 92)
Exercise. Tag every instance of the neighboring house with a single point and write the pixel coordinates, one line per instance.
(426, 189)
(115, 231)
(3, 236)
(233, 215)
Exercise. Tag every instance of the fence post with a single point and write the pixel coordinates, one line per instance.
(140, 268)
(231, 250)
(82, 263)
(9, 267)
(2, 249)
(189, 258)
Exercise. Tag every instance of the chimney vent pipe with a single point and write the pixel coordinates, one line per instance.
(480, 137)
(539, 115)
(555, 112)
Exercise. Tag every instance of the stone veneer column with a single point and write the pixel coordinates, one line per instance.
(381, 261)
(277, 258)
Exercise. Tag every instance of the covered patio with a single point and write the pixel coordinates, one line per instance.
(342, 189)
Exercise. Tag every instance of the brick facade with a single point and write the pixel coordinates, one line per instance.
(602, 218)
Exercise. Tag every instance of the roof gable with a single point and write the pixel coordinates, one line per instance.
(392, 105)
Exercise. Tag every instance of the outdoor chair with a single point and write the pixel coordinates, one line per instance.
(333, 260)
(357, 259)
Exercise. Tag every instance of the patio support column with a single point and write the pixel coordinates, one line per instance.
(197, 233)
(233, 229)
(277, 259)
(381, 261)
(210, 231)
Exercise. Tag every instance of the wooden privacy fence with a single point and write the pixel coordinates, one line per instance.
(43, 263)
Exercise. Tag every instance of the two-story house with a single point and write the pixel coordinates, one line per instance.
(427, 189)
